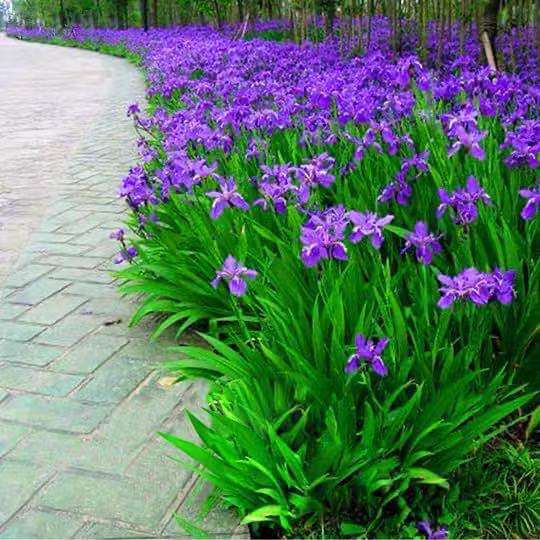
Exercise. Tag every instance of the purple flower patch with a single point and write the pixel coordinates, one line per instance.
(478, 287)
(430, 532)
(533, 202)
(426, 243)
(322, 236)
(463, 202)
(368, 351)
(370, 225)
(235, 274)
(226, 198)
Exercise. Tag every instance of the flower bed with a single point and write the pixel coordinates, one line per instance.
(356, 239)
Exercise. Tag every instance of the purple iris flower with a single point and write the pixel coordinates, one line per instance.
(478, 287)
(322, 236)
(417, 161)
(426, 243)
(400, 191)
(133, 109)
(126, 254)
(463, 201)
(369, 351)
(275, 185)
(135, 188)
(226, 198)
(368, 224)
(469, 140)
(502, 285)
(525, 145)
(469, 284)
(235, 275)
(533, 202)
(313, 173)
(425, 528)
(118, 234)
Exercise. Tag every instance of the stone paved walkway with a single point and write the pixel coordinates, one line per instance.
(80, 399)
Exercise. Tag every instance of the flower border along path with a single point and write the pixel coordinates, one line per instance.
(80, 399)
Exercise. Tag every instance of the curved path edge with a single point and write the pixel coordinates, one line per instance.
(80, 395)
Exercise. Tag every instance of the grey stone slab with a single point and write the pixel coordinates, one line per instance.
(140, 417)
(114, 380)
(51, 237)
(10, 311)
(28, 353)
(18, 331)
(89, 354)
(69, 330)
(37, 381)
(37, 291)
(216, 521)
(66, 261)
(52, 248)
(52, 309)
(42, 524)
(10, 435)
(63, 450)
(84, 275)
(18, 484)
(108, 293)
(27, 274)
(62, 414)
(111, 498)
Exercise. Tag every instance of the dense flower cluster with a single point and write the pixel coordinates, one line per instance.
(463, 201)
(478, 287)
(319, 171)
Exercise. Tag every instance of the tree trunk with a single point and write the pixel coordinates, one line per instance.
(488, 32)
(63, 22)
(329, 8)
(217, 13)
(144, 14)
(155, 13)
(537, 25)
(240, 4)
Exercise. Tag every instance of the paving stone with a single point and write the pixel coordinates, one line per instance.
(62, 450)
(114, 380)
(38, 381)
(10, 435)
(37, 291)
(62, 414)
(41, 524)
(53, 309)
(79, 274)
(89, 354)
(106, 497)
(51, 237)
(52, 248)
(69, 330)
(28, 353)
(92, 237)
(109, 293)
(11, 311)
(25, 275)
(16, 331)
(66, 261)
(104, 460)
(216, 521)
(18, 482)
(108, 530)
(139, 418)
